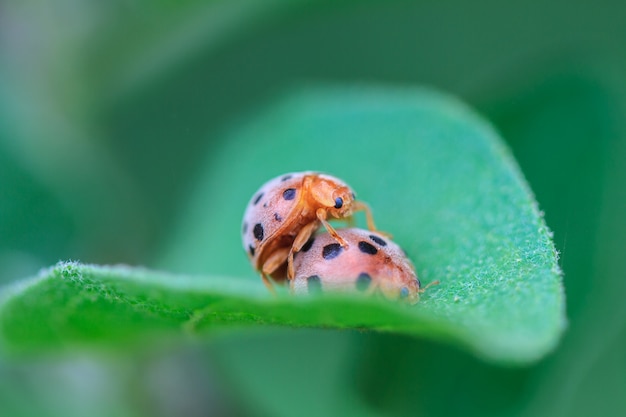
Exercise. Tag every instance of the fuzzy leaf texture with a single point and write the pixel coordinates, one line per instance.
(436, 176)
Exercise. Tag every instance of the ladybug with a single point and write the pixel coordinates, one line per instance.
(370, 263)
(286, 211)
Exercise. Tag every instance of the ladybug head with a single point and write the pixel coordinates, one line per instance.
(343, 198)
(399, 283)
(332, 194)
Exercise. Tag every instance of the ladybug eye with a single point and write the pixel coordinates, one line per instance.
(404, 292)
(338, 202)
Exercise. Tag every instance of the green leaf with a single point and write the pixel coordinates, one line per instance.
(437, 177)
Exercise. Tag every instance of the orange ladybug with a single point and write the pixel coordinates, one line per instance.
(371, 263)
(286, 211)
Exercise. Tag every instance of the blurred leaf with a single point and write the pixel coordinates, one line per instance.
(62, 184)
(567, 131)
(315, 370)
(33, 223)
(138, 42)
(437, 177)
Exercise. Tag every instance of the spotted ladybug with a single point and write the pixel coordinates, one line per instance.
(371, 263)
(286, 211)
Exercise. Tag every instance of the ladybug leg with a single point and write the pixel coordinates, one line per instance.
(361, 206)
(373, 288)
(369, 218)
(321, 216)
(302, 237)
(430, 284)
(273, 262)
(268, 283)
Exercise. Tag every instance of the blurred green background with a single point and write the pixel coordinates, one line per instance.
(109, 109)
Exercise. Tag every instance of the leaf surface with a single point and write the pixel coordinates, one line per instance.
(436, 176)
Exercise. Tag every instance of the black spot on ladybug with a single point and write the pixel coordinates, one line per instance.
(289, 194)
(258, 231)
(307, 245)
(404, 292)
(286, 177)
(332, 251)
(338, 202)
(363, 281)
(257, 199)
(277, 217)
(245, 228)
(314, 284)
(251, 248)
(378, 240)
(367, 248)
